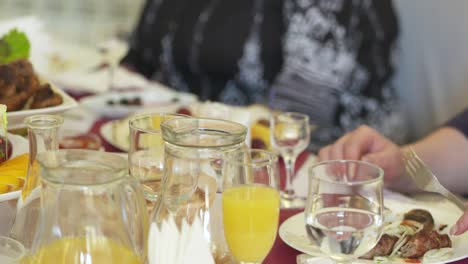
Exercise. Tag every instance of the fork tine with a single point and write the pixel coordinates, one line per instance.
(411, 167)
(409, 164)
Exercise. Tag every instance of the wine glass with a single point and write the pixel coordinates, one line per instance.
(290, 135)
(251, 203)
(344, 209)
(146, 153)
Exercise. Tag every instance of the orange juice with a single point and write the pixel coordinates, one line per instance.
(251, 215)
(79, 250)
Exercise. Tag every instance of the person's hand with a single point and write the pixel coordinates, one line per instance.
(461, 226)
(367, 144)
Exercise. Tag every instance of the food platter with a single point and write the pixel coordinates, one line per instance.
(16, 118)
(293, 233)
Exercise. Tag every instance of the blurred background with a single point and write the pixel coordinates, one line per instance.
(85, 21)
(432, 74)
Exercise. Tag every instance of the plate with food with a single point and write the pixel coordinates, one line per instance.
(13, 171)
(414, 232)
(21, 89)
(123, 103)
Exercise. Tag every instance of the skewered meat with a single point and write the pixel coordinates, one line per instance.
(416, 245)
(26, 79)
(419, 243)
(45, 97)
(15, 102)
(421, 216)
(383, 248)
(7, 81)
(19, 85)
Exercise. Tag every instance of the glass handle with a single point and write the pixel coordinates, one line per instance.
(135, 215)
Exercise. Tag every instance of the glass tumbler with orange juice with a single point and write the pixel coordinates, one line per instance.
(251, 203)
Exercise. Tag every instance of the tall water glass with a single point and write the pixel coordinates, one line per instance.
(251, 203)
(344, 210)
(290, 135)
(146, 153)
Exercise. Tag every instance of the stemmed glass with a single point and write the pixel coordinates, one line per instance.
(290, 135)
(146, 153)
(251, 203)
(344, 210)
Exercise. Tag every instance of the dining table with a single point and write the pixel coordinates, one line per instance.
(280, 253)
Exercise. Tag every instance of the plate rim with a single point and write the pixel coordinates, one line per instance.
(107, 126)
(68, 103)
(10, 195)
(121, 110)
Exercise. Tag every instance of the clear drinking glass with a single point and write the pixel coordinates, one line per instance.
(91, 210)
(290, 135)
(43, 136)
(146, 153)
(251, 203)
(344, 211)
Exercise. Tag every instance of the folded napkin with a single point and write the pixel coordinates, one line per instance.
(169, 245)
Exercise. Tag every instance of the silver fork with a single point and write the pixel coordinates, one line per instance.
(425, 179)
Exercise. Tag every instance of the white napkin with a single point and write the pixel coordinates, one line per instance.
(187, 246)
(301, 181)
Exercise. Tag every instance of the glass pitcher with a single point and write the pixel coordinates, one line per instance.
(192, 183)
(43, 137)
(91, 211)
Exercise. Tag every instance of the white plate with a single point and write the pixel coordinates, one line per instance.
(20, 146)
(293, 232)
(117, 134)
(16, 118)
(155, 99)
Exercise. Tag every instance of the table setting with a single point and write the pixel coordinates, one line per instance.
(127, 170)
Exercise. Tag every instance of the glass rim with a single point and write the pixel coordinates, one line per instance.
(16, 244)
(45, 121)
(379, 177)
(137, 117)
(119, 172)
(295, 115)
(170, 135)
(272, 157)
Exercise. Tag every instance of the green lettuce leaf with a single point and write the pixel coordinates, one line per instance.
(13, 46)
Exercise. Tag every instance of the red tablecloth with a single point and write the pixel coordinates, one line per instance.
(280, 253)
